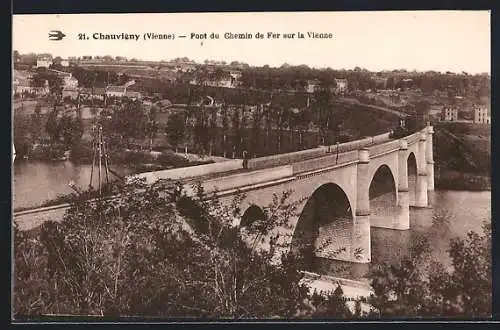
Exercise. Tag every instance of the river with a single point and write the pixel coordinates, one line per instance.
(451, 214)
(35, 182)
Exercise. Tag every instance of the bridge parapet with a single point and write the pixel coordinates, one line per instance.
(303, 155)
(235, 181)
(287, 158)
(413, 138)
(325, 161)
(192, 171)
(354, 145)
(385, 147)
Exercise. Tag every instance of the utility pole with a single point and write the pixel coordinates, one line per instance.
(99, 150)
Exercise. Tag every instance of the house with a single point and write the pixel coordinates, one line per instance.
(182, 66)
(450, 113)
(69, 81)
(235, 74)
(226, 80)
(65, 62)
(341, 86)
(436, 109)
(129, 83)
(22, 89)
(168, 76)
(380, 82)
(21, 85)
(72, 93)
(96, 93)
(133, 95)
(116, 91)
(482, 114)
(43, 62)
(312, 86)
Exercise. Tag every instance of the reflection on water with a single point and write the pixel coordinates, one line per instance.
(34, 182)
(452, 214)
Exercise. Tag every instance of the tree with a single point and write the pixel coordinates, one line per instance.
(465, 291)
(418, 287)
(304, 120)
(16, 56)
(152, 125)
(212, 130)
(268, 123)
(390, 83)
(243, 127)
(123, 259)
(52, 126)
(225, 128)
(201, 131)
(256, 126)
(235, 125)
(129, 121)
(323, 113)
(484, 88)
(36, 121)
(55, 82)
(422, 109)
(71, 129)
(175, 129)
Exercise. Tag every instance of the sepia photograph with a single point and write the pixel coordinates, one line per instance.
(251, 166)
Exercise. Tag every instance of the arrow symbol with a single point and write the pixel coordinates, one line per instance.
(56, 35)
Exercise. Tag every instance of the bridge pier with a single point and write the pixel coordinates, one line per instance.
(361, 238)
(421, 198)
(403, 217)
(430, 159)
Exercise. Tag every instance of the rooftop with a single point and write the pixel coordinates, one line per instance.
(116, 89)
(95, 90)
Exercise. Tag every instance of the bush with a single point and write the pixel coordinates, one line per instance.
(130, 157)
(140, 258)
(418, 287)
(169, 158)
(48, 151)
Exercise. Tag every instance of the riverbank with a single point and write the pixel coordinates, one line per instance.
(453, 180)
(462, 156)
(41, 183)
(137, 160)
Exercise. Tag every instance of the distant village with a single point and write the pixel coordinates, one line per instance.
(382, 89)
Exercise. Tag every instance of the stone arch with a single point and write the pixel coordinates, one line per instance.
(412, 166)
(383, 197)
(324, 228)
(252, 213)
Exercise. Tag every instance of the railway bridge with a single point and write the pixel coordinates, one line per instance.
(343, 189)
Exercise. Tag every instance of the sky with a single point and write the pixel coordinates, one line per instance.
(414, 40)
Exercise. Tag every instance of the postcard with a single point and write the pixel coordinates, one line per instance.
(252, 166)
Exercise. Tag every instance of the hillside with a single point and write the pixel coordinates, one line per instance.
(463, 156)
